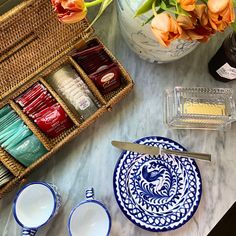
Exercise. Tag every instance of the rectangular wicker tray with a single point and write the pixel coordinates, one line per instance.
(33, 43)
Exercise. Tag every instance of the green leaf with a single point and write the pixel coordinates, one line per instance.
(233, 25)
(93, 3)
(182, 12)
(173, 2)
(167, 2)
(175, 10)
(163, 5)
(177, 7)
(103, 7)
(147, 6)
(165, 8)
(148, 20)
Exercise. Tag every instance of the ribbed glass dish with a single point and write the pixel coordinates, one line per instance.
(199, 108)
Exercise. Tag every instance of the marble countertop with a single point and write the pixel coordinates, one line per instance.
(89, 160)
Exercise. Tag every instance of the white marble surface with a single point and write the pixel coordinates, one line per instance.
(89, 160)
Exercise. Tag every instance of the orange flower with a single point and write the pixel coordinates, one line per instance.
(198, 16)
(221, 13)
(165, 28)
(186, 22)
(201, 14)
(187, 5)
(70, 11)
(201, 34)
(192, 27)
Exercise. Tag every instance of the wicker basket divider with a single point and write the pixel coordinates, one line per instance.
(48, 155)
(10, 186)
(10, 163)
(41, 136)
(14, 10)
(28, 39)
(57, 145)
(17, 92)
(93, 118)
(89, 82)
(68, 136)
(114, 97)
(58, 141)
(123, 92)
(73, 116)
(22, 172)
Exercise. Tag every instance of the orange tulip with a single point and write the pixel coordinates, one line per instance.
(70, 11)
(192, 27)
(186, 22)
(187, 5)
(201, 14)
(216, 6)
(198, 16)
(200, 34)
(221, 13)
(165, 28)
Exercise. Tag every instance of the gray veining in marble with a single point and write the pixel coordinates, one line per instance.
(89, 160)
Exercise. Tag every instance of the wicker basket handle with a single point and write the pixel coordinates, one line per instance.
(18, 45)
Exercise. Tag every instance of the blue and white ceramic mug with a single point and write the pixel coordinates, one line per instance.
(89, 217)
(35, 204)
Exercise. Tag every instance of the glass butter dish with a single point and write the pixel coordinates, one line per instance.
(199, 108)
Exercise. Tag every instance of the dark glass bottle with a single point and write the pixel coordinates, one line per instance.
(223, 65)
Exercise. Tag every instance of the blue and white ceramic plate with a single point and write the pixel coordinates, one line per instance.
(157, 193)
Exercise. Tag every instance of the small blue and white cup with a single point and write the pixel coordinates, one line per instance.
(35, 205)
(89, 217)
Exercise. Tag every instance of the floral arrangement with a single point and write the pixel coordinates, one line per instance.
(188, 19)
(72, 11)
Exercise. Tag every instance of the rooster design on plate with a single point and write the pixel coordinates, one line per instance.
(155, 183)
(158, 177)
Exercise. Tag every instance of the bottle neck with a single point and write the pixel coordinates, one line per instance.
(232, 39)
(230, 43)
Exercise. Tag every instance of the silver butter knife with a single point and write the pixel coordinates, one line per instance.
(145, 149)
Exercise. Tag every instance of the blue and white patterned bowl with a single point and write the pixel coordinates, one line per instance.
(157, 193)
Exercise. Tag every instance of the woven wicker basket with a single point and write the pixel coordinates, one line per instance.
(33, 43)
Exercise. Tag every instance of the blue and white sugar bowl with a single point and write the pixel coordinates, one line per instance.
(35, 205)
(89, 217)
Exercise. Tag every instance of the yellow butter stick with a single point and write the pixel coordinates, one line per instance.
(204, 109)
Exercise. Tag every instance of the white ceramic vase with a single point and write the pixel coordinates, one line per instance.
(141, 39)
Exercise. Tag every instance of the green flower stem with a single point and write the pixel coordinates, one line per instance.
(154, 8)
(93, 3)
